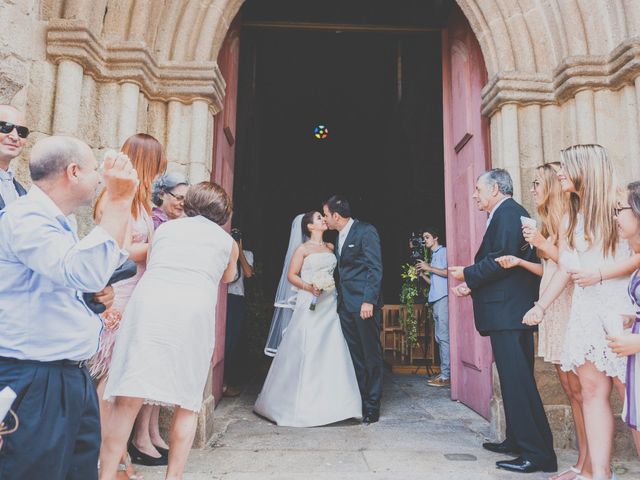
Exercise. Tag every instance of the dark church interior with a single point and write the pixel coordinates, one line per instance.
(373, 76)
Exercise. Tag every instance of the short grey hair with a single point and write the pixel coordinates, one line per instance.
(165, 183)
(52, 155)
(500, 177)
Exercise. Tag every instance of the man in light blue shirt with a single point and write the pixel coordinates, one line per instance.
(48, 332)
(439, 301)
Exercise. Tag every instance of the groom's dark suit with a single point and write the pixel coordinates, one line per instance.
(360, 279)
(19, 188)
(501, 297)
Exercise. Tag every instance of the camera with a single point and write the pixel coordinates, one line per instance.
(236, 234)
(416, 247)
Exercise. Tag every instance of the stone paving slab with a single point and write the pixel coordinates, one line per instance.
(422, 435)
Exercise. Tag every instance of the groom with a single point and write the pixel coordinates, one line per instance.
(359, 300)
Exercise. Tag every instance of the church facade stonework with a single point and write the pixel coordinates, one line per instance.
(560, 72)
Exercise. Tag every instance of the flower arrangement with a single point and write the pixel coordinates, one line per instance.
(411, 289)
(408, 294)
(321, 280)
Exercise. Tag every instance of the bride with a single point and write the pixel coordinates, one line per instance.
(311, 381)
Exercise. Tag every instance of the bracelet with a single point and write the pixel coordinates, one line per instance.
(540, 307)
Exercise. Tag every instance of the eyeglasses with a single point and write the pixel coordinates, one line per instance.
(7, 127)
(180, 198)
(617, 210)
(535, 184)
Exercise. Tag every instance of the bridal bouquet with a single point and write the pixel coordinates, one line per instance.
(321, 280)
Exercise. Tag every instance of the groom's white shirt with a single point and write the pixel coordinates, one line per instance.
(342, 234)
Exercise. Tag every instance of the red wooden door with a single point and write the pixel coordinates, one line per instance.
(466, 157)
(222, 174)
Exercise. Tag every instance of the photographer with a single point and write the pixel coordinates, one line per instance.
(236, 307)
(435, 274)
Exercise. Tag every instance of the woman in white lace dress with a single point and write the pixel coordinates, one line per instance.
(599, 263)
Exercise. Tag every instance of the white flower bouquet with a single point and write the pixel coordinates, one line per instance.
(323, 281)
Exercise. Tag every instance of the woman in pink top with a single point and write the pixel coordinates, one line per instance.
(148, 158)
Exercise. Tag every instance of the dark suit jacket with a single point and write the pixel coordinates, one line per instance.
(19, 188)
(502, 297)
(360, 268)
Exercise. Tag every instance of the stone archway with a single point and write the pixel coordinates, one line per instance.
(559, 72)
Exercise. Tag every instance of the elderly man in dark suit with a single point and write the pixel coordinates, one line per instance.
(501, 297)
(359, 299)
(13, 136)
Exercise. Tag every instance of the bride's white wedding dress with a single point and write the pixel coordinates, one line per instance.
(311, 381)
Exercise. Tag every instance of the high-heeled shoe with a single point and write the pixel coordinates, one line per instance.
(142, 458)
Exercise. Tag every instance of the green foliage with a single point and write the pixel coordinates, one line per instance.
(408, 295)
(412, 289)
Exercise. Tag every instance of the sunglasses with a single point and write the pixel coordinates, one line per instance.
(7, 127)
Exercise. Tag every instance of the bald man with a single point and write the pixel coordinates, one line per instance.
(48, 332)
(13, 136)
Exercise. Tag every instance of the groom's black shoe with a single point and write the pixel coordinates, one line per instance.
(504, 447)
(370, 417)
(520, 465)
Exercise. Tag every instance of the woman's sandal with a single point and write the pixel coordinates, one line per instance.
(574, 470)
(613, 476)
(126, 471)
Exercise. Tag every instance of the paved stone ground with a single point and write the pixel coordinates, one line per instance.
(421, 435)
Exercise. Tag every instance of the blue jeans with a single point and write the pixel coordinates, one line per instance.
(440, 310)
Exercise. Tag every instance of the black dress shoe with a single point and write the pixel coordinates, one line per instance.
(520, 465)
(141, 458)
(370, 417)
(504, 448)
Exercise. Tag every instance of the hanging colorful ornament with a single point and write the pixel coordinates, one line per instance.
(321, 132)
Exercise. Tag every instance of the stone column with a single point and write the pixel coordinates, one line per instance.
(633, 125)
(128, 112)
(198, 154)
(586, 117)
(68, 95)
(511, 147)
(175, 139)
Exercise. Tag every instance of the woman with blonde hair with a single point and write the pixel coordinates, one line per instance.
(551, 203)
(599, 262)
(148, 158)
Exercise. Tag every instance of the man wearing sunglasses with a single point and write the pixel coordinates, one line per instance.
(13, 136)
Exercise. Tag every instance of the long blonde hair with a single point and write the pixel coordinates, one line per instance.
(554, 202)
(148, 158)
(594, 179)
